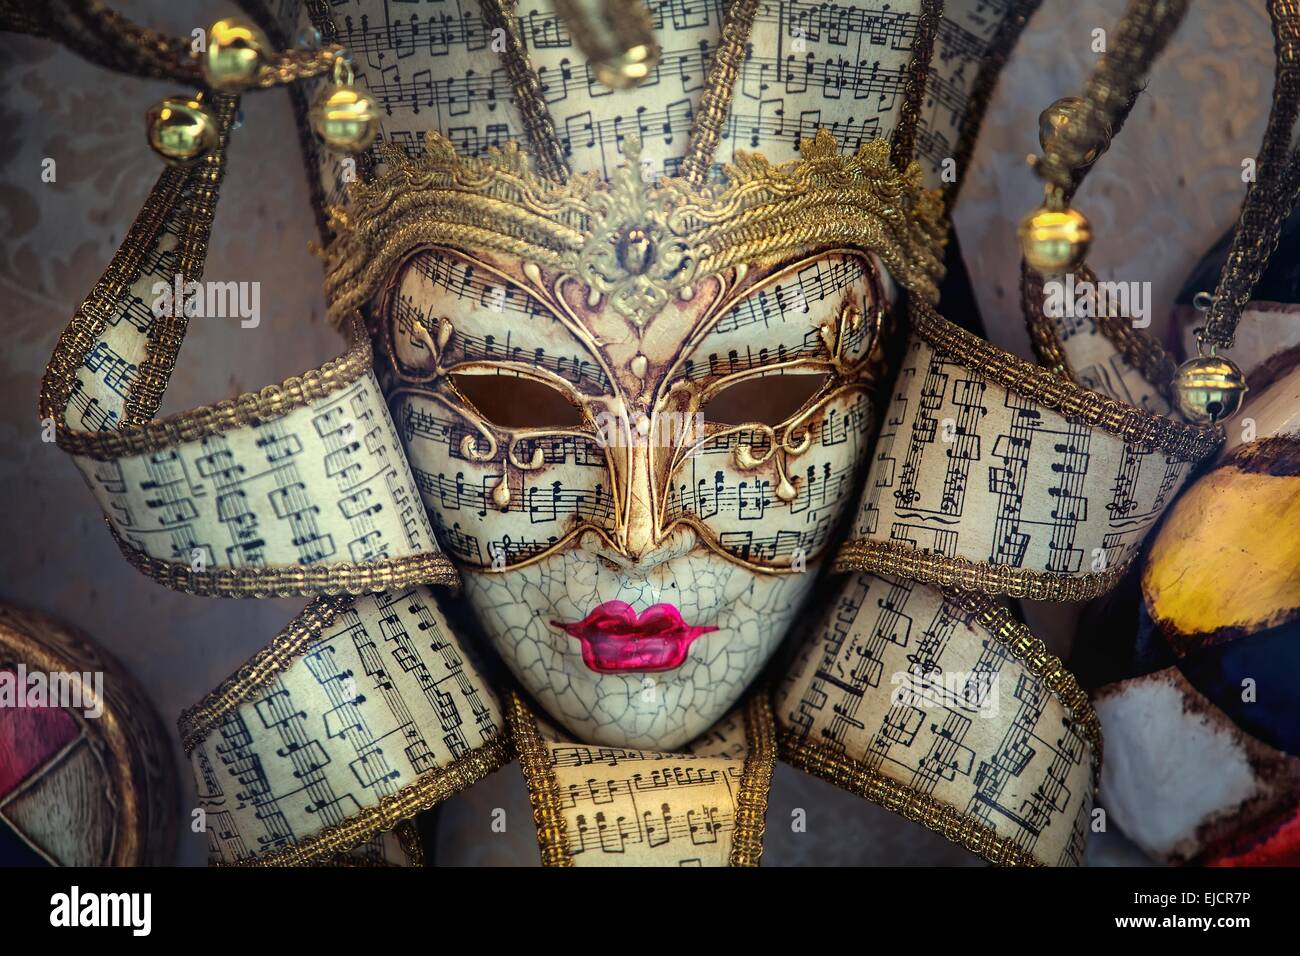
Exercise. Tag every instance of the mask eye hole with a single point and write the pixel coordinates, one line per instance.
(513, 401)
(768, 400)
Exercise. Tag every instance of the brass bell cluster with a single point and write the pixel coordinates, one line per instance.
(182, 129)
(1054, 238)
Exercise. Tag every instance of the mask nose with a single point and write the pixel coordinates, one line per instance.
(679, 541)
(638, 538)
(641, 477)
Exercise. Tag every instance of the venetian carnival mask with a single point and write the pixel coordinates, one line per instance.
(631, 385)
(635, 399)
(637, 459)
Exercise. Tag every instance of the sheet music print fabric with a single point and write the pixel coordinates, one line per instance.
(384, 698)
(647, 808)
(97, 398)
(326, 482)
(897, 678)
(965, 468)
(808, 65)
(323, 483)
(1098, 365)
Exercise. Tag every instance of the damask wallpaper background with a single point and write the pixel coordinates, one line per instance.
(1169, 186)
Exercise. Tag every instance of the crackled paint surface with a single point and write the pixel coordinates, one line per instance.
(661, 710)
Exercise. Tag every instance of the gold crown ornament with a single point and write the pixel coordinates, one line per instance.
(636, 242)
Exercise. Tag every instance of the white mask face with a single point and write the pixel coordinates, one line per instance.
(578, 527)
(639, 489)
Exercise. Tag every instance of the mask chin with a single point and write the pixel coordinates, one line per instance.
(551, 620)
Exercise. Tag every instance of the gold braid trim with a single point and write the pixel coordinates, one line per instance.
(755, 781)
(1047, 388)
(762, 211)
(391, 811)
(1043, 333)
(836, 769)
(408, 838)
(292, 580)
(248, 409)
(527, 88)
(903, 147)
(168, 332)
(715, 100)
(897, 559)
(543, 790)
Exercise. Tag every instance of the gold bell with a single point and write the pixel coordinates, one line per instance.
(1059, 115)
(616, 36)
(344, 117)
(236, 51)
(1055, 241)
(1208, 389)
(627, 68)
(180, 129)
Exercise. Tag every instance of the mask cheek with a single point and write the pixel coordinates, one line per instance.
(493, 503)
(657, 710)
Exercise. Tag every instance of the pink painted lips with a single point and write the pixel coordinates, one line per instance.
(615, 639)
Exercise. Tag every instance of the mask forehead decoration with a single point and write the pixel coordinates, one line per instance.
(636, 409)
(627, 233)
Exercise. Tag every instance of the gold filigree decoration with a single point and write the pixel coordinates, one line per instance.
(631, 255)
(635, 241)
(777, 444)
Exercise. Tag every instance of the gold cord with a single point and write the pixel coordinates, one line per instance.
(1271, 196)
(917, 71)
(715, 102)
